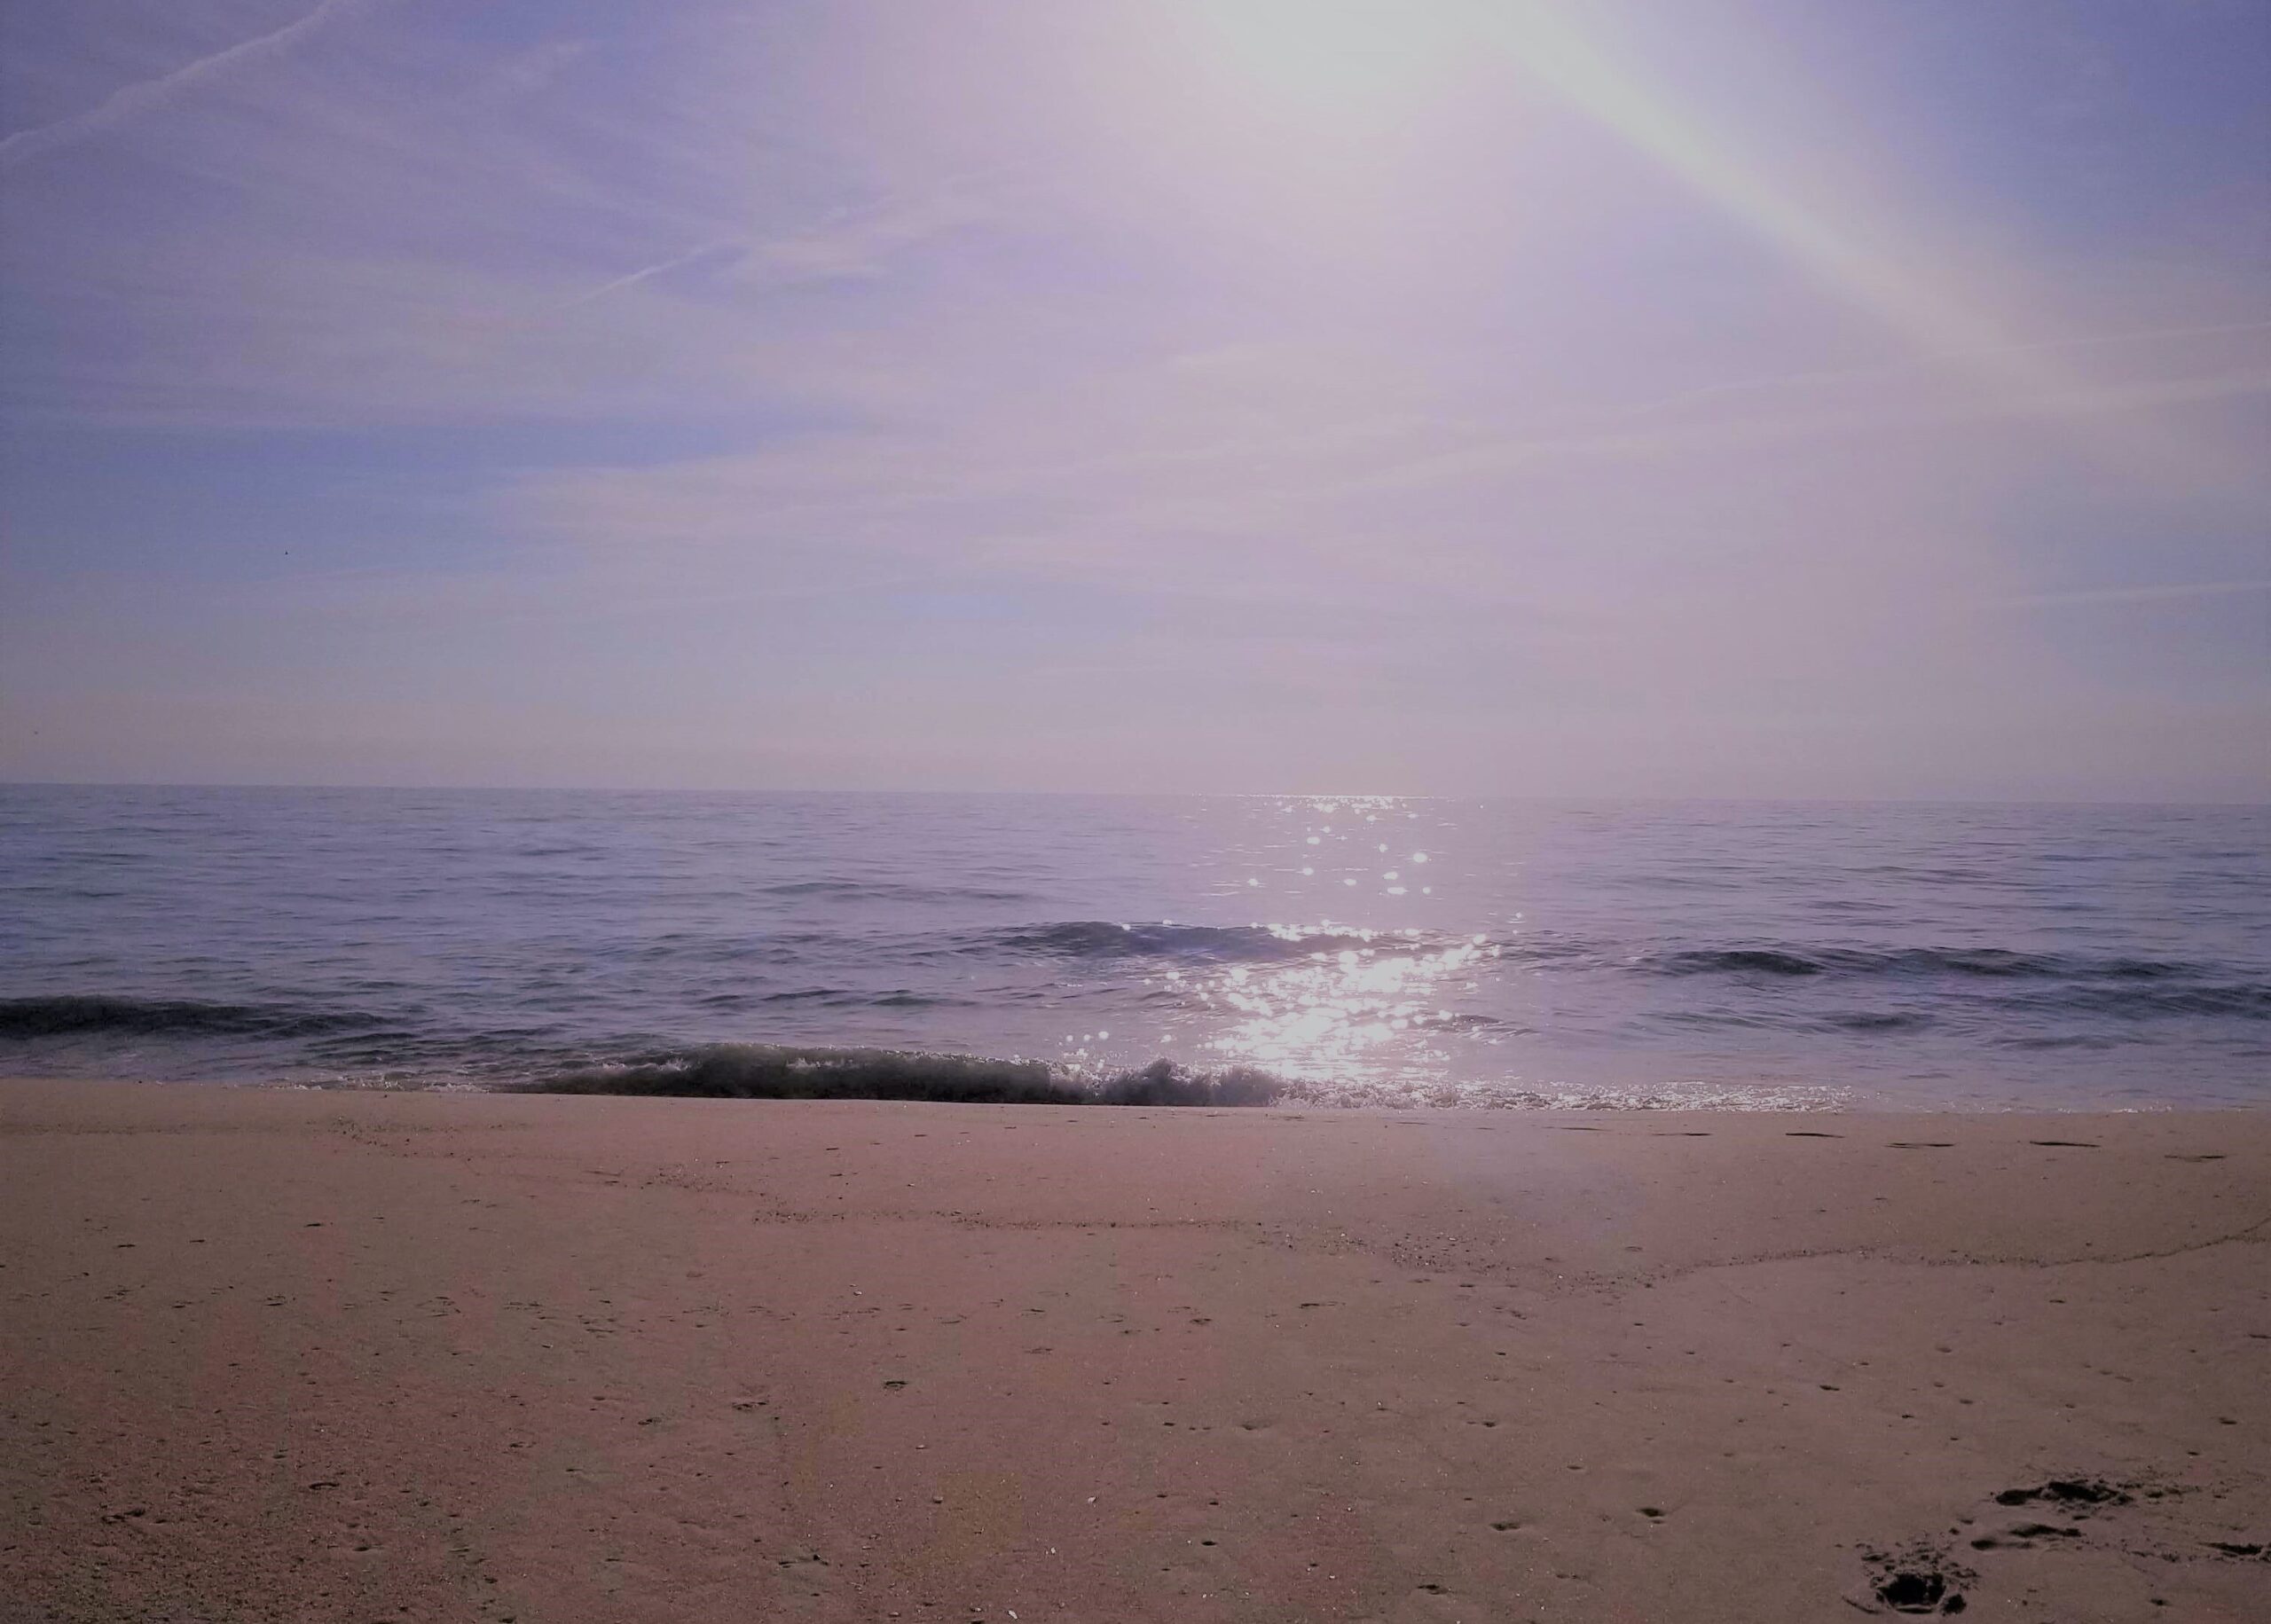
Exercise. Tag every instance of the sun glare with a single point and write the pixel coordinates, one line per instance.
(1347, 56)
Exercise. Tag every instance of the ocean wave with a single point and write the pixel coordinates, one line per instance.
(1092, 939)
(1877, 1020)
(766, 1071)
(1985, 963)
(873, 891)
(1770, 1021)
(750, 1072)
(844, 997)
(67, 1015)
(2113, 988)
(2245, 1001)
(1732, 960)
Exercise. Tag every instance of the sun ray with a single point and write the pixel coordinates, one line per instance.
(1873, 264)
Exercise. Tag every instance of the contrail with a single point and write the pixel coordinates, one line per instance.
(632, 280)
(123, 104)
(886, 218)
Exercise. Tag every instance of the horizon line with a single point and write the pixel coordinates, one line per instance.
(1630, 798)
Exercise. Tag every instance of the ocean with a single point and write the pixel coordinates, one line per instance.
(1350, 951)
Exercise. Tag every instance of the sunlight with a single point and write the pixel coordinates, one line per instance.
(1341, 56)
(1367, 1011)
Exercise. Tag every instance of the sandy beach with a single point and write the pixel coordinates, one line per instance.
(293, 1355)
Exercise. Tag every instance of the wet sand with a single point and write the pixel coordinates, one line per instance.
(283, 1355)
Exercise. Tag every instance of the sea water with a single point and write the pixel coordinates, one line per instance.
(1349, 950)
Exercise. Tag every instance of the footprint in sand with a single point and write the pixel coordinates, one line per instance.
(1917, 1579)
(2068, 1492)
(1919, 1592)
(2023, 1536)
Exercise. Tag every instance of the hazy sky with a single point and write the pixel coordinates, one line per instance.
(1664, 396)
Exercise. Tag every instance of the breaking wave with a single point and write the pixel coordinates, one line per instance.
(766, 1072)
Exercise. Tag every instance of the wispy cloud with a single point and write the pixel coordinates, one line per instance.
(853, 243)
(858, 241)
(130, 102)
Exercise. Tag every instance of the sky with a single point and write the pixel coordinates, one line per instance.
(1726, 399)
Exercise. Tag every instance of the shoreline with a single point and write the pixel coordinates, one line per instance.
(1162, 1086)
(287, 1352)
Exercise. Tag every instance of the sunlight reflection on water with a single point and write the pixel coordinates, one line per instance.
(1379, 1009)
(1336, 1012)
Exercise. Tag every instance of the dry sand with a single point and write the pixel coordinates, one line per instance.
(281, 1355)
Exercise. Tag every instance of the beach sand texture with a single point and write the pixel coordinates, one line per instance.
(296, 1355)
